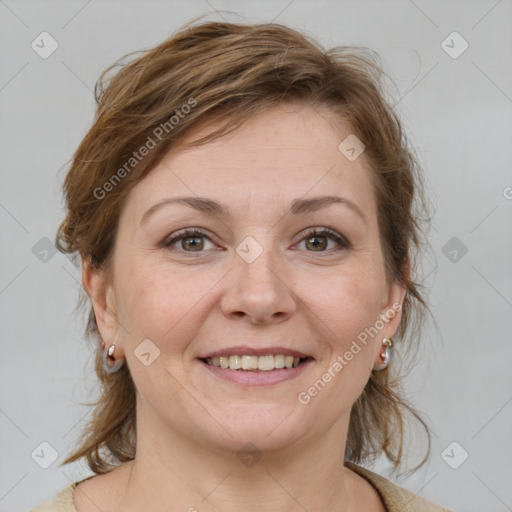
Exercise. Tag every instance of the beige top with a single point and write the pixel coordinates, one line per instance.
(395, 498)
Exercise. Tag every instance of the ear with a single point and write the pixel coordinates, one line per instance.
(391, 311)
(102, 296)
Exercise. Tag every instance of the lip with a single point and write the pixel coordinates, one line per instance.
(257, 378)
(242, 350)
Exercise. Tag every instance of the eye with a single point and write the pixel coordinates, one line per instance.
(188, 240)
(317, 240)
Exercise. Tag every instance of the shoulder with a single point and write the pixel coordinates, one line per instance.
(395, 497)
(61, 502)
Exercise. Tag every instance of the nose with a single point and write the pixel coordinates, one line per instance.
(258, 292)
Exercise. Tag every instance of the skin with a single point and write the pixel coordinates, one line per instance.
(190, 423)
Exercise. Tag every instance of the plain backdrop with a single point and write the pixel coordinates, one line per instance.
(456, 103)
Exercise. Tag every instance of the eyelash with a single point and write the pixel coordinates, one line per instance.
(308, 233)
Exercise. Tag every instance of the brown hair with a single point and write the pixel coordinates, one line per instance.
(229, 73)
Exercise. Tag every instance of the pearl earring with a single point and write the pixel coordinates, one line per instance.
(387, 355)
(110, 365)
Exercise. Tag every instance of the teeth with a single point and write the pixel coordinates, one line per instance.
(235, 362)
(249, 362)
(263, 363)
(279, 361)
(266, 363)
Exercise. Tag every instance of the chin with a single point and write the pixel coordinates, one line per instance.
(267, 427)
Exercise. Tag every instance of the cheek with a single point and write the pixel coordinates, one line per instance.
(347, 305)
(347, 298)
(159, 302)
(343, 308)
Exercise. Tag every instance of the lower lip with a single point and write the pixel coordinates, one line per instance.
(257, 378)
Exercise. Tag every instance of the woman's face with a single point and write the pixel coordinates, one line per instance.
(253, 279)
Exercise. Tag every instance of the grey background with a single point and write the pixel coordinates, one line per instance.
(458, 113)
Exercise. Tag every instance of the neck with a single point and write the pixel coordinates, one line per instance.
(171, 469)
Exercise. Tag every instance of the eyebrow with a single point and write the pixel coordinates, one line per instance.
(298, 206)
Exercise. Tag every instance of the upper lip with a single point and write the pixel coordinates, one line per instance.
(242, 350)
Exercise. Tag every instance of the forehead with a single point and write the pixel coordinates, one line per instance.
(284, 153)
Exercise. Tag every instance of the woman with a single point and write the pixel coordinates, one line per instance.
(243, 211)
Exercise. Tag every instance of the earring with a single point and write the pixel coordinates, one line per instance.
(387, 355)
(108, 357)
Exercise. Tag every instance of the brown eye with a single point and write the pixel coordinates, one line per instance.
(324, 240)
(317, 243)
(188, 241)
(192, 243)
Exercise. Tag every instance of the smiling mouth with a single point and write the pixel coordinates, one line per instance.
(246, 363)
